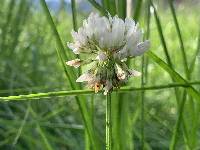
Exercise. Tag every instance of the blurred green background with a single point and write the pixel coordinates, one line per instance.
(29, 64)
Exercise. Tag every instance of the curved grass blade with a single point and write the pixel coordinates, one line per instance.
(187, 70)
(190, 90)
(178, 78)
(161, 36)
(171, 65)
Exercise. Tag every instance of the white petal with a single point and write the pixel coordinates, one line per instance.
(118, 29)
(129, 23)
(140, 49)
(85, 77)
(134, 73)
(82, 37)
(74, 35)
(75, 47)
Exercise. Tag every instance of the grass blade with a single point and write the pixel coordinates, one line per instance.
(161, 35)
(44, 138)
(187, 73)
(178, 78)
(74, 14)
(170, 65)
(137, 10)
(108, 123)
(195, 55)
(98, 7)
(22, 125)
(121, 8)
(122, 90)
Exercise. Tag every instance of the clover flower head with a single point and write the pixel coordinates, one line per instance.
(107, 43)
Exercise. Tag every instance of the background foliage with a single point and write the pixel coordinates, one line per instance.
(31, 56)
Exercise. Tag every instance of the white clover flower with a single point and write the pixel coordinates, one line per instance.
(107, 42)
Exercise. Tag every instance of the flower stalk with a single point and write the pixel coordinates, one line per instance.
(108, 122)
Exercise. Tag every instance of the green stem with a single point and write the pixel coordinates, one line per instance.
(142, 105)
(178, 123)
(74, 14)
(85, 92)
(108, 123)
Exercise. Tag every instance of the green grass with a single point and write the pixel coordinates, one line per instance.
(41, 106)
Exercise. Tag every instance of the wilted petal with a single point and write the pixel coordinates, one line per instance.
(121, 75)
(107, 87)
(134, 73)
(85, 77)
(75, 63)
(101, 56)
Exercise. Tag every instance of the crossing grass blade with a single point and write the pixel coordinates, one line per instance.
(122, 90)
(22, 126)
(44, 138)
(162, 39)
